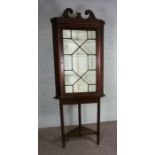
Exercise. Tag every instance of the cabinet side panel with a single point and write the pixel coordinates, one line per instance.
(56, 57)
(102, 59)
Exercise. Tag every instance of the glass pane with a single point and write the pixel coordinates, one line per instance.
(70, 77)
(92, 61)
(79, 48)
(80, 64)
(90, 77)
(90, 46)
(91, 35)
(79, 36)
(66, 33)
(68, 62)
(68, 89)
(69, 46)
(81, 86)
(92, 88)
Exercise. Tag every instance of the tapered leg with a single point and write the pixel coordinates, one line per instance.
(62, 124)
(98, 122)
(79, 113)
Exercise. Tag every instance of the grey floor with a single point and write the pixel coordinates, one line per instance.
(49, 141)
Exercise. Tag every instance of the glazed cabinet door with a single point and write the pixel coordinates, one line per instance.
(79, 57)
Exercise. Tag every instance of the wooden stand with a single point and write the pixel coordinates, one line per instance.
(80, 130)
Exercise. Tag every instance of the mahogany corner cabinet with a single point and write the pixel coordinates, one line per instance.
(78, 59)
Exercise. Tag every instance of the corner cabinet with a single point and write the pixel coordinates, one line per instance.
(78, 58)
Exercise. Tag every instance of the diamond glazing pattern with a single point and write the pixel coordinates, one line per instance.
(79, 49)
